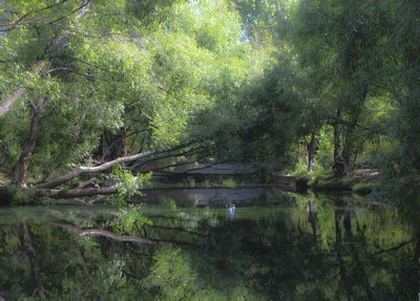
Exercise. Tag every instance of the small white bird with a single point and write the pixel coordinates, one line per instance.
(231, 212)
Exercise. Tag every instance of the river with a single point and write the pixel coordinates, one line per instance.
(275, 246)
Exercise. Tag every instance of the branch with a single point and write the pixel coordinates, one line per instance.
(170, 154)
(150, 155)
(81, 9)
(77, 192)
(46, 189)
(24, 16)
(19, 22)
(8, 103)
(119, 139)
(89, 170)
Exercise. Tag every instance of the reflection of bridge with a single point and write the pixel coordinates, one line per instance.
(206, 196)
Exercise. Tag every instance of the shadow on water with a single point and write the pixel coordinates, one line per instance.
(295, 247)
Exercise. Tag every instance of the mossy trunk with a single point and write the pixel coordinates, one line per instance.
(311, 148)
(338, 164)
(21, 172)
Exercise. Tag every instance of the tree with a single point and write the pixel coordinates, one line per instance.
(137, 93)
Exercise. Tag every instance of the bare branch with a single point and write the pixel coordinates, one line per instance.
(9, 102)
(170, 154)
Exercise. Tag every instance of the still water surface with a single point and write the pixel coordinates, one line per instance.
(293, 247)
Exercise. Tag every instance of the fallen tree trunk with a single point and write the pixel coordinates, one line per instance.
(30, 143)
(94, 186)
(77, 192)
(90, 170)
(146, 156)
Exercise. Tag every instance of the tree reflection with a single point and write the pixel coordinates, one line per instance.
(326, 252)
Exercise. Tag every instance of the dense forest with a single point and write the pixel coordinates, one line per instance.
(301, 87)
(99, 97)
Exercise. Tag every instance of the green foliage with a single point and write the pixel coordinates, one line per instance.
(128, 184)
(160, 63)
(172, 274)
(251, 78)
(130, 219)
(17, 196)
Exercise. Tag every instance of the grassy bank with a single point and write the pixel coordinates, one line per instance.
(362, 181)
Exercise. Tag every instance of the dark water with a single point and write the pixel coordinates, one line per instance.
(292, 247)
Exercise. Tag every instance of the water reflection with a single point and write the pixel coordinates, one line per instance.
(307, 249)
(313, 217)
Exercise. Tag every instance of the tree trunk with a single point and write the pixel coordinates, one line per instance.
(113, 145)
(349, 153)
(350, 162)
(338, 165)
(312, 148)
(21, 172)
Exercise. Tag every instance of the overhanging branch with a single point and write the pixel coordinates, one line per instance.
(140, 158)
(90, 170)
(77, 192)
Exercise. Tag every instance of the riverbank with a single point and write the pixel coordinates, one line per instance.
(361, 181)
